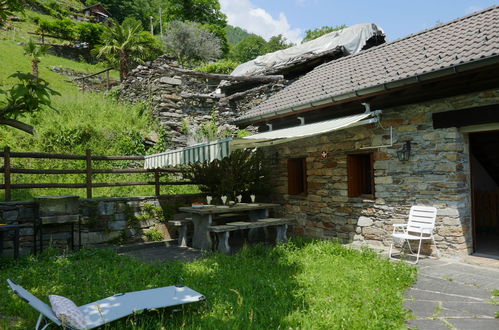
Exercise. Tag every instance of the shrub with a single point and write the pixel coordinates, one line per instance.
(64, 28)
(89, 32)
(242, 172)
(222, 66)
(154, 235)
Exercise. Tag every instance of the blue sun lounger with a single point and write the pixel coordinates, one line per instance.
(115, 307)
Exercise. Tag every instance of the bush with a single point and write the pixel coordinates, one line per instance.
(63, 28)
(154, 235)
(222, 66)
(67, 29)
(89, 32)
(242, 172)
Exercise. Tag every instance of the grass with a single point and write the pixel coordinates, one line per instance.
(302, 284)
(82, 121)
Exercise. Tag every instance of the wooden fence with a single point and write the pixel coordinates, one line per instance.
(89, 171)
(108, 83)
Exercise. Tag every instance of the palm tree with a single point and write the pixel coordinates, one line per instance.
(124, 44)
(35, 51)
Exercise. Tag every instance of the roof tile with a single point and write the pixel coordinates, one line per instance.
(463, 40)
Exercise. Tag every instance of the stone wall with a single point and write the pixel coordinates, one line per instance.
(183, 117)
(104, 221)
(437, 174)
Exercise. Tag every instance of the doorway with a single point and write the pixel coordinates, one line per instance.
(484, 159)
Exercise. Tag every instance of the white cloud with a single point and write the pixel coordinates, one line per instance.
(472, 9)
(246, 15)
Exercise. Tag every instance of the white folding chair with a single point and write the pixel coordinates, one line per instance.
(419, 227)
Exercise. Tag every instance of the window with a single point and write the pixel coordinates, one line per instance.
(297, 176)
(360, 175)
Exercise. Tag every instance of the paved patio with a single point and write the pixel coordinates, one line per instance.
(448, 294)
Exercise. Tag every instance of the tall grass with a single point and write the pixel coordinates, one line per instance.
(81, 121)
(299, 285)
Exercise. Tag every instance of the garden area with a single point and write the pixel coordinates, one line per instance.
(302, 284)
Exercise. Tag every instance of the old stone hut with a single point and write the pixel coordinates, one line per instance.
(438, 92)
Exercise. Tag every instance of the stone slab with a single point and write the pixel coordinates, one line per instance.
(475, 324)
(421, 309)
(427, 324)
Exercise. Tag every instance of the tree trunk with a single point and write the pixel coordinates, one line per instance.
(123, 65)
(34, 66)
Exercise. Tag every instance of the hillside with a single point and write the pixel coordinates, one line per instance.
(81, 120)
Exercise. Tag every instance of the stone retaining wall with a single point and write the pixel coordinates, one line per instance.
(104, 221)
(185, 118)
(437, 174)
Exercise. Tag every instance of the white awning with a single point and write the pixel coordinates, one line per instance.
(197, 153)
(297, 132)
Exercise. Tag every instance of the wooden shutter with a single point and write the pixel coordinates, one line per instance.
(354, 171)
(297, 176)
(292, 182)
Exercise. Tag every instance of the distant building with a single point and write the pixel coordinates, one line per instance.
(97, 13)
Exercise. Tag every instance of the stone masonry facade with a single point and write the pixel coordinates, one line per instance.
(437, 174)
(104, 221)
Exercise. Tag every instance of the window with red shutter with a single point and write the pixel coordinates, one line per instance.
(297, 176)
(360, 171)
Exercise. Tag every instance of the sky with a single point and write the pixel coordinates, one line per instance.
(398, 18)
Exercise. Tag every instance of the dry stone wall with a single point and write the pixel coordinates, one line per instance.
(184, 116)
(104, 221)
(437, 174)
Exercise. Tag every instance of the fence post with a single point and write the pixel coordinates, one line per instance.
(6, 164)
(156, 181)
(107, 78)
(89, 173)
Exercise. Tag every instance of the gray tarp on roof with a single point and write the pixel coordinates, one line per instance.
(469, 39)
(350, 39)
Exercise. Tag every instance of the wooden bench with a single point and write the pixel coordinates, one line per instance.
(222, 231)
(182, 230)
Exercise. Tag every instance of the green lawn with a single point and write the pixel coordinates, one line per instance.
(298, 285)
(81, 121)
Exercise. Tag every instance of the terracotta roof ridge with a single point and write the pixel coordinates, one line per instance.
(408, 36)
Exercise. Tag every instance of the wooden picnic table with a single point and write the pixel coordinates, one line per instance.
(202, 218)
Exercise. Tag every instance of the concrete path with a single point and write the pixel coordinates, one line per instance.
(452, 295)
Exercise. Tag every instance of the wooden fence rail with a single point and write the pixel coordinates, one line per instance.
(89, 171)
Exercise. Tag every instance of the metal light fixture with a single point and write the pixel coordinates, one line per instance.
(404, 153)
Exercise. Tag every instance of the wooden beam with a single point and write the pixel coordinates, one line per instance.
(219, 76)
(186, 95)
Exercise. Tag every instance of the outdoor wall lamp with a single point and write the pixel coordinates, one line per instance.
(404, 153)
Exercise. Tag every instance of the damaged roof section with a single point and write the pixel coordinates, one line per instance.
(300, 59)
(470, 40)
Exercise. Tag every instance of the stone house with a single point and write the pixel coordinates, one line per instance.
(337, 168)
(97, 13)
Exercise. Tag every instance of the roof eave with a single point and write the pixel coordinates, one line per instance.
(479, 63)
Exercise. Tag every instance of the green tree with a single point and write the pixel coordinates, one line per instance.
(235, 34)
(9, 7)
(28, 96)
(35, 51)
(249, 48)
(316, 33)
(191, 43)
(200, 11)
(276, 43)
(125, 44)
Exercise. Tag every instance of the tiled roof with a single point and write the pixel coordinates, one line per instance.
(464, 40)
